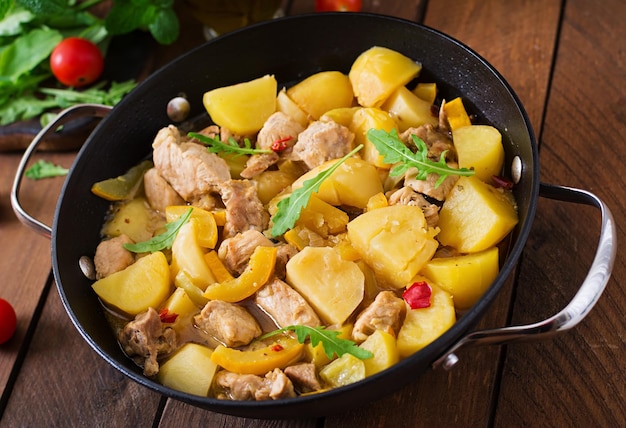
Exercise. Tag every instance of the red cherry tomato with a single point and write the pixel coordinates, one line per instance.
(76, 62)
(337, 5)
(8, 321)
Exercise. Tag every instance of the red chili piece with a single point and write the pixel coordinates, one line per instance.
(418, 295)
(277, 347)
(280, 145)
(167, 316)
(502, 182)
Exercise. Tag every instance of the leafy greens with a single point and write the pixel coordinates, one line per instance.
(330, 340)
(164, 240)
(45, 169)
(215, 145)
(289, 208)
(394, 151)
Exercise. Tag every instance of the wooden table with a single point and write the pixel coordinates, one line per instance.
(567, 62)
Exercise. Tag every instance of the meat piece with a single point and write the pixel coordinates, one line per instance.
(235, 386)
(158, 191)
(244, 210)
(258, 163)
(278, 127)
(385, 313)
(111, 256)
(235, 252)
(285, 305)
(304, 377)
(283, 254)
(229, 323)
(437, 141)
(323, 141)
(407, 196)
(145, 339)
(188, 167)
(429, 186)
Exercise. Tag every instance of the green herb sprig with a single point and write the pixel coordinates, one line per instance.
(330, 340)
(162, 241)
(395, 152)
(289, 208)
(215, 145)
(45, 169)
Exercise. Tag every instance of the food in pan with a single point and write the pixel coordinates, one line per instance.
(310, 237)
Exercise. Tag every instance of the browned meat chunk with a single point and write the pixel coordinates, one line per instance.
(283, 254)
(437, 141)
(407, 196)
(158, 191)
(322, 141)
(145, 339)
(429, 186)
(234, 386)
(229, 323)
(188, 167)
(235, 252)
(244, 210)
(304, 377)
(285, 305)
(385, 313)
(278, 127)
(111, 256)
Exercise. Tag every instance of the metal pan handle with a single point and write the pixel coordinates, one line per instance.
(586, 297)
(67, 115)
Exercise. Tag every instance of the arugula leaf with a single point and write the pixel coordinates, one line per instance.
(157, 16)
(95, 94)
(290, 207)
(329, 339)
(44, 169)
(215, 145)
(162, 241)
(394, 151)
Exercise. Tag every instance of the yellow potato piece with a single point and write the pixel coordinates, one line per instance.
(322, 218)
(285, 104)
(395, 241)
(144, 284)
(353, 183)
(408, 110)
(466, 277)
(188, 256)
(321, 92)
(426, 91)
(257, 273)
(206, 227)
(343, 371)
(284, 351)
(189, 370)
(242, 108)
(342, 115)
(383, 346)
(479, 147)
(365, 119)
(333, 286)
(476, 216)
(378, 72)
(134, 219)
(180, 304)
(422, 326)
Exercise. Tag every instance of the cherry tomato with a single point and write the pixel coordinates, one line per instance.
(76, 62)
(8, 321)
(337, 5)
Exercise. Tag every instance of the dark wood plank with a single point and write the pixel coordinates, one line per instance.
(24, 255)
(576, 379)
(70, 385)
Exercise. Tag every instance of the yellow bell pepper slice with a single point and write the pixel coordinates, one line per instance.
(279, 354)
(258, 272)
(217, 267)
(206, 230)
(457, 116)
(122, 187)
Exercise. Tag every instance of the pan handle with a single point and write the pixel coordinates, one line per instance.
(65, 116)
(586, 297)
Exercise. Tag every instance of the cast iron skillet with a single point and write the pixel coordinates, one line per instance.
(293, 48)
